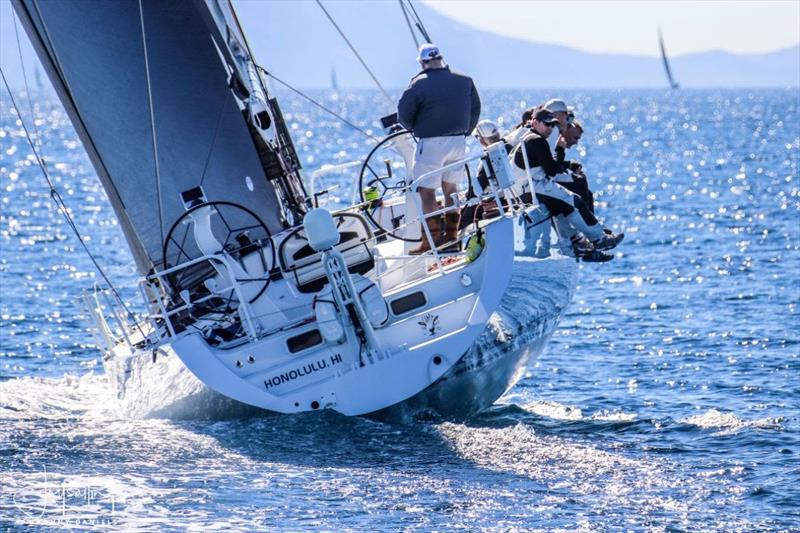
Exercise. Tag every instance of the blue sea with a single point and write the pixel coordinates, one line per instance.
(667, 400)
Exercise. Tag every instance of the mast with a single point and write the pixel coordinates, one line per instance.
(667, 70)
(295, 199)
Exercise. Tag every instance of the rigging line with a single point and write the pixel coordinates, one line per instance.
(408, 22)
(152, 124)
(216, 133)
(316, 103)
(358, 56)
(62, 206)
(420, 25)
(25, 79)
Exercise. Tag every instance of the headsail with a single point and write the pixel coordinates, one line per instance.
(668, 71)
(165, 98)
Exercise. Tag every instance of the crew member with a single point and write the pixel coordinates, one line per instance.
(514, 137)
(574, 179)
(561, 111)
(488, 133)
(440, 107)
(533, 156)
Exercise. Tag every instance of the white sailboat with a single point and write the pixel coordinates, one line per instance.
(262, 297)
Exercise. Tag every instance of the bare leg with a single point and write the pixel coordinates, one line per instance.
(428, 197)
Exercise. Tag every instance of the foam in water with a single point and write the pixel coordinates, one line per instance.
(715, 419)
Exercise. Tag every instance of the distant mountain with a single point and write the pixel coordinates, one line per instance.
(379, 32)
(295, 41)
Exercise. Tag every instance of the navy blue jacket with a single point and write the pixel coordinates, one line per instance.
(439, 103)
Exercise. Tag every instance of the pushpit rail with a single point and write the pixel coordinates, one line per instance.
(423, 217)
(158, 279)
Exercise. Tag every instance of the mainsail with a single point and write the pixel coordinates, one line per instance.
(668, 71)
(165, 97)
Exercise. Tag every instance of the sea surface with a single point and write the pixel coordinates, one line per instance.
(667, 400)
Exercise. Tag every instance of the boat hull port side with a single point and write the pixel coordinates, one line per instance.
(513, 339)
(301, 370)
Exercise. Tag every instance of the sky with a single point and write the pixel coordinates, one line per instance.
(630, 27)
(598, 27)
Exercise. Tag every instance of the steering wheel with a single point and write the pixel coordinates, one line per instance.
(384, 181)
(236, 242)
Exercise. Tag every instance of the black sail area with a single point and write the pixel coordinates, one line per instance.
(147, 89)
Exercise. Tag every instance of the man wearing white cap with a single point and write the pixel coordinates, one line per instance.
(440, 108)
(560, 110)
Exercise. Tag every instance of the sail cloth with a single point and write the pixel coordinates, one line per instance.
(145, 85)
(668, 71)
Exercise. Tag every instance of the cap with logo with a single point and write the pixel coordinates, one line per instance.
(545, 116)
(428, 52)
(486, 129)
(556, 105)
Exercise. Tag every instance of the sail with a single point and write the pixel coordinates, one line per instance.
(148, 87)
(667, 70)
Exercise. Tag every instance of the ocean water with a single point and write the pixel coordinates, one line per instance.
(668, 399)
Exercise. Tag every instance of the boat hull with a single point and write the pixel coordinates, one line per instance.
(539, 292)
(517, 333)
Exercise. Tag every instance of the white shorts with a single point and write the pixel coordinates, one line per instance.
(564, 177)
(435, 152)
(550, 188)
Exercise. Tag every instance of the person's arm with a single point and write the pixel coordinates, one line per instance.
(475, 107)
(574, 166)
(407, 108)
(539, 151)
(561, 161)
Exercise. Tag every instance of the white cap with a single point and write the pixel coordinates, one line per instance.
(486, 129)
(556, 105)
(428, 51)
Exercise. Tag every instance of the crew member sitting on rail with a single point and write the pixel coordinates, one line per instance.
(514, 137)
(574, 179)
(440, 108)
(534, 157)
(561, 111)
(487, 133)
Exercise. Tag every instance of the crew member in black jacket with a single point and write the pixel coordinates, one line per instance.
(534, 156)
(440, 107)
(574, 179)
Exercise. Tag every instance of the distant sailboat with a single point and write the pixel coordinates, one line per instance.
(334, 83)
(38, 76)
(672, 83)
